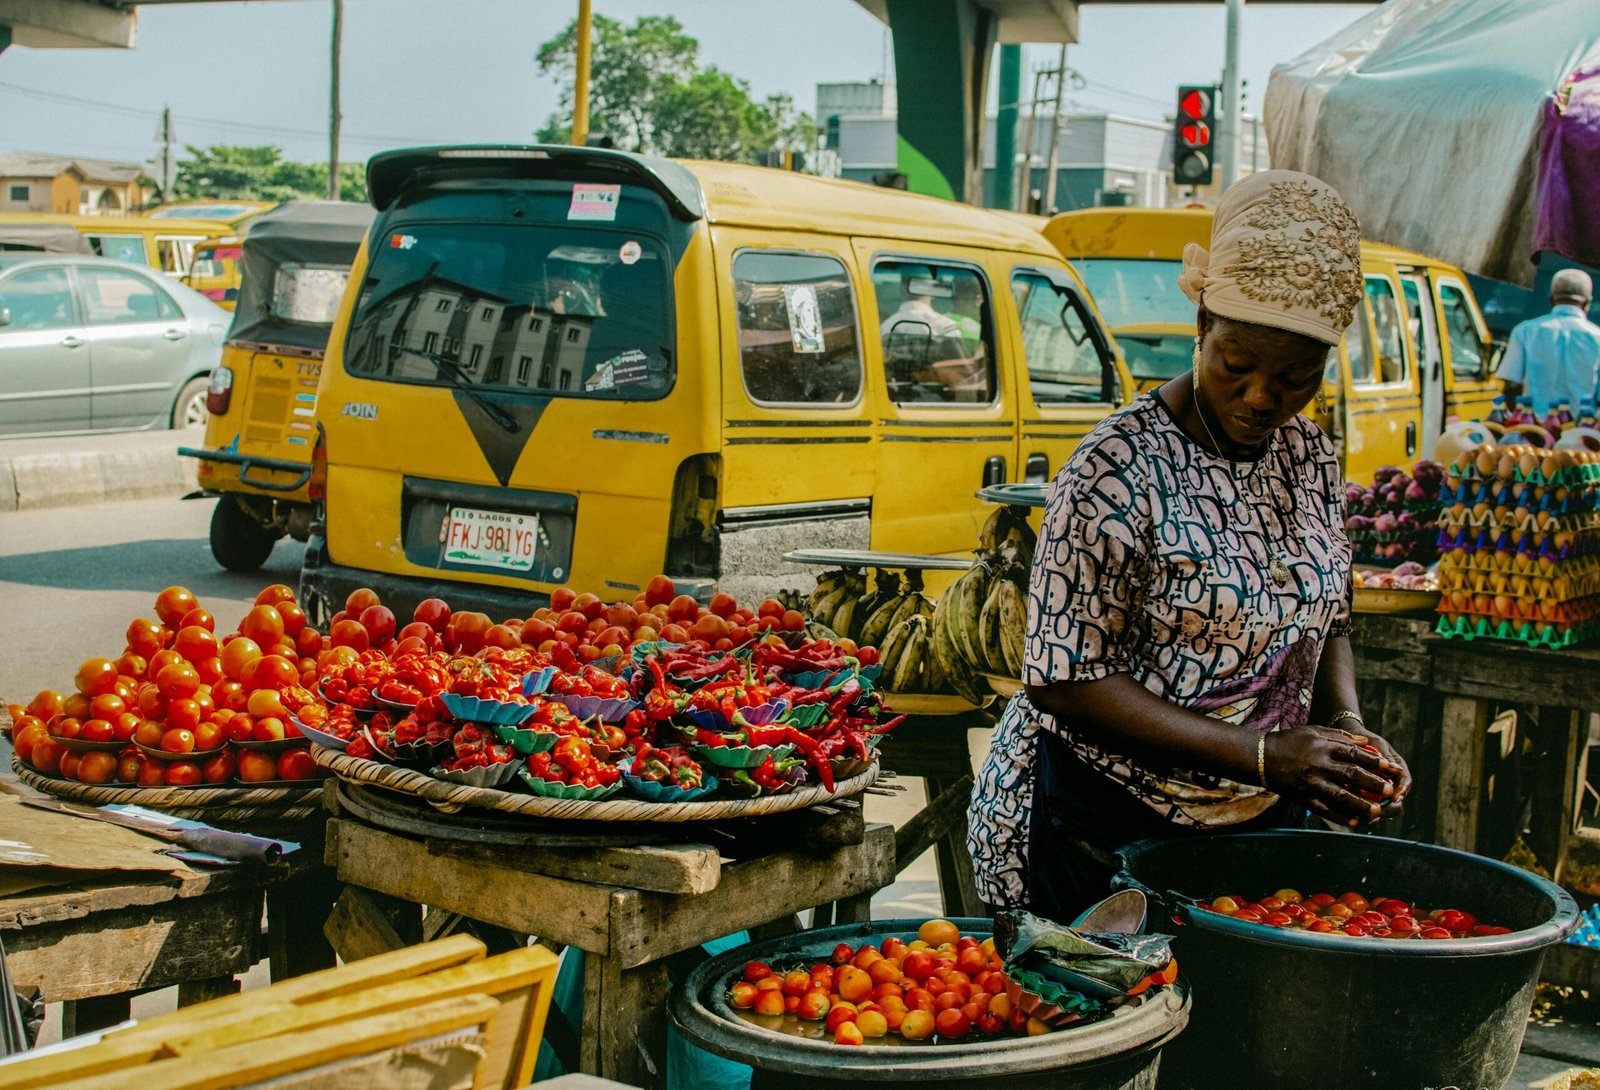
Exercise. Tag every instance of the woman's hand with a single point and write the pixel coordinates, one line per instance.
(1323, 768)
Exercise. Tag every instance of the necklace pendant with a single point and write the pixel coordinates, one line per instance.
(1278, 570)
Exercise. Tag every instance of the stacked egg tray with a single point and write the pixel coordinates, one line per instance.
(1519, 556)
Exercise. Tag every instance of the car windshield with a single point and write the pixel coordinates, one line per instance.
(569, 311)
(1135, 291)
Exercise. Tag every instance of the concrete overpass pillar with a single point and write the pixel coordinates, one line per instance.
(941, 61)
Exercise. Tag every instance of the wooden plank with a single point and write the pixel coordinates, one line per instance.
(1511, 674)
(297, 911)
(404, 964)
(136, 949)
(1461, 744)
(1554, 786)
(574, 913)
(359, 928)
(191, 993)
(248, 1062)
(79, 1016)
(943, 812)
(958, 889)
(678, 868)
(624, 1022)
(648, 926)
(1381, 665)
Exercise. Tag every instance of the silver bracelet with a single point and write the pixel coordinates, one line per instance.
(1348, 714)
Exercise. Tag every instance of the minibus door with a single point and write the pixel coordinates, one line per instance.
(1424, 329)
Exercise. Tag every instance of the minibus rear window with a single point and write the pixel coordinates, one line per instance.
(554, 310)
(1142, 291)
(308, 293)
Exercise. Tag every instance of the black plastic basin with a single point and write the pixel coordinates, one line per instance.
(1119, 1053)
(1293, 1008)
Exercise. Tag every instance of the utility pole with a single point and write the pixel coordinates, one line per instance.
(1025, 167)
(167, 139)
(1232, 115)
(1055, 136)
(580, 90)
(333, 101)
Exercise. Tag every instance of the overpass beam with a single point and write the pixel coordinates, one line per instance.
(941, 59)
(67, 24)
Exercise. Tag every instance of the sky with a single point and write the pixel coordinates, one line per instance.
(460, 71)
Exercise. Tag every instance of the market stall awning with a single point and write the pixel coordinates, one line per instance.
(1427, 117)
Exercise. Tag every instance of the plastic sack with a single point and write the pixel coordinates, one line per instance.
(1119, 960)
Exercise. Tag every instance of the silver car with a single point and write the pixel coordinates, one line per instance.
(89, 344)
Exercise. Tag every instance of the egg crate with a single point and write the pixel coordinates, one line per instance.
(1509, 521)
(1568, 611)
(1535, 497)
(1551, 637)
(1509, 562)
(1561, 478)
(1561, 588)
(1529, 545)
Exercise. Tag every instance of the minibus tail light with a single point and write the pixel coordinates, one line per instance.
(317, 487)
(219, 394)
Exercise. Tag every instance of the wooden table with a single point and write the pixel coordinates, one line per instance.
(629, 907)
(1439, 701)
(92, 946)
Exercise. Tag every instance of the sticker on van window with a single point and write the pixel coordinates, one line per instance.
(624, 370)
(402, 242)
(630, 252)
(594, 202)
(805, 317)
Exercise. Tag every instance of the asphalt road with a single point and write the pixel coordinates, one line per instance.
(71, 579)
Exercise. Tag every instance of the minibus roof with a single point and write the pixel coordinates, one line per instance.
(729, 193)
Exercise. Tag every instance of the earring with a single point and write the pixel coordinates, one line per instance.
(1197, 363)
(1322, 402)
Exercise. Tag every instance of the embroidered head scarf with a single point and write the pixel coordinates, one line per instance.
(1285, 252)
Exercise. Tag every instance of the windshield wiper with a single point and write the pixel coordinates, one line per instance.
(463, 382)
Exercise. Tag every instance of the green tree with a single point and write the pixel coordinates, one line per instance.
(648, 93)
(261, 173)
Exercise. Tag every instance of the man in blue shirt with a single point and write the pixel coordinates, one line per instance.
(1556, 358)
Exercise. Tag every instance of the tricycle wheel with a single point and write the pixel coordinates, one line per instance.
(238, 539)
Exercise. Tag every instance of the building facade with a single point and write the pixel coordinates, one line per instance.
(71, 186)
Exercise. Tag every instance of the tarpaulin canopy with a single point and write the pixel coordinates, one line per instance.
(297, 258)
(51, 238)
(1427, 116)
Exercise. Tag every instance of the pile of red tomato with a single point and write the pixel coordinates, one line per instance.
(1354, 915)
(942, 984)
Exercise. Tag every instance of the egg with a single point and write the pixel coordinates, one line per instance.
(1486, 461)
(1527, 463)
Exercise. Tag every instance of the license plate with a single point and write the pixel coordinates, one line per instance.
(491, 538)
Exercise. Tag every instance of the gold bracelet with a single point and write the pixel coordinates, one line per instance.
(1261, 759)
(1348, 714)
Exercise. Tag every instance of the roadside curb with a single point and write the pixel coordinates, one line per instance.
(100, 470)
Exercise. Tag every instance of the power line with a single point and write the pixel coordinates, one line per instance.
(204, 122)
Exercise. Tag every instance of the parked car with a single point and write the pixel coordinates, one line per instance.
(90, 344)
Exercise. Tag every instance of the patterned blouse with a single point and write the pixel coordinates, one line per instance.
(1156, 560)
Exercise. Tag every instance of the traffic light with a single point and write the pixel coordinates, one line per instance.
(1194, 136)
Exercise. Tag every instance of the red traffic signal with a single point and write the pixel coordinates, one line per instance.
(1193, 134)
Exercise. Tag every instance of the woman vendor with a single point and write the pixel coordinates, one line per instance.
(1188, 666)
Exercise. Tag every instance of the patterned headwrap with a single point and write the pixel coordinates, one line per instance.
(1285, 252)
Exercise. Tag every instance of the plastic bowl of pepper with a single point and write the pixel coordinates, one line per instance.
(536, 682)
(751, 783)
(572, 791)
(476, 709)
(670, 781)
(607, 709)
(492, 775)
(526, 740)
(741, 756)
(758, 715)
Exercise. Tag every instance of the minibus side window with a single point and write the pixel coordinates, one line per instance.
(1466, 342)
(1386, 319)
(121, 247)
(937, 333)
(797, 329)
(1065, 360)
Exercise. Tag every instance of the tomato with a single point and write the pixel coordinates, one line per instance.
(770, 1003)
(503, 636)
(46, 703)
(177, 740)
(148, 732)
(195, 643)
(432, 612)
(839, 1014)
(47, 755)
(813, 1005)
(182, 774)
(197, 618)
(263, 624)
(96, 676)
(684, 609)
(743, 994)
(269, 729)
(1354, 902)
(675, 633)
(350, 634)
(69, 764)
(27, 737)
(938, 932)
(144, 637)
(869, 1023)
(128, 766)
(220, 769)
(885, 971)
(173, 603)
(724, 605)
(209, 735)
(255, 767)
(793, 621)
(266, 702)
(466, 631)
(160, 661)
(308, 641)
(379, 621)
(177, 680)
(210, 670)
(952, 1023)
(97, 768)
(796, 982)
(710, 629)
(296, 764)
(659, 590)
(919, 1025)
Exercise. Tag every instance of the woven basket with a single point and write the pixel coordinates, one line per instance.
(451, 798)
(254, 807)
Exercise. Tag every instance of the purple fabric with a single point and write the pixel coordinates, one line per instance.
(1567, 211)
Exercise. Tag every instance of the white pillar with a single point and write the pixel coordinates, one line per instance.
(1231, 119)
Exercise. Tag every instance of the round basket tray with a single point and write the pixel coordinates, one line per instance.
(1393, 600)
(252, 806)
(929, 704)
(450, 797)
